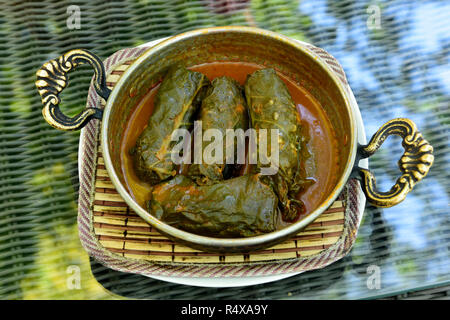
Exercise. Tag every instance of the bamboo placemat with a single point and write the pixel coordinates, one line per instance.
(116, 236)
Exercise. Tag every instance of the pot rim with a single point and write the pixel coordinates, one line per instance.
(224, 243)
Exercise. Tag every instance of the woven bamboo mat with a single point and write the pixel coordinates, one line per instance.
(121, 231)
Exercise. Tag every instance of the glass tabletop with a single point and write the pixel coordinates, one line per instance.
(396, 57)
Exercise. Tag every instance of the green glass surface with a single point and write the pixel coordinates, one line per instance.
(396, 57)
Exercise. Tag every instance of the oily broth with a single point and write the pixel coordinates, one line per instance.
(321, 166)
(137, 122)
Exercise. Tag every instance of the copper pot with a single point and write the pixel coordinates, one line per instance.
(297, 60)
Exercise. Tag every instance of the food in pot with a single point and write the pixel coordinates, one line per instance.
(272, 107)
(223, 189)
(239, 207)
(175, 105)
(222, 108)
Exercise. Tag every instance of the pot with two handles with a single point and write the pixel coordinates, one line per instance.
(245, 44)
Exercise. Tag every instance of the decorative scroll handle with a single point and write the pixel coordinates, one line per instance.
(414, 163)
(52, 79)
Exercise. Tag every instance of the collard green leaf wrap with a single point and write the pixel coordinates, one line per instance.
(222, 108)
(175, 105)
(271, 107)
(239, 207)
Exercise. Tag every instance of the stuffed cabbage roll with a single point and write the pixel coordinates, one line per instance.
(271, 107)
(175, 105)
(222, 108)
(239, 207)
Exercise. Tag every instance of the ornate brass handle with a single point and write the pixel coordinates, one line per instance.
(52, 79)
(414, 163)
